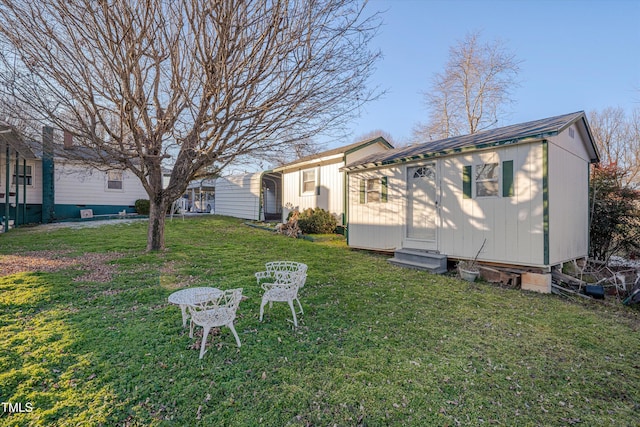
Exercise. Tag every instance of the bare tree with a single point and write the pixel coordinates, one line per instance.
(202, 82)
(472, 92)
(375, 134)
(617, 135)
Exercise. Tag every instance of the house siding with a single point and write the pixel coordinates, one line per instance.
(329, 194)
(79, 184)
(34, 191)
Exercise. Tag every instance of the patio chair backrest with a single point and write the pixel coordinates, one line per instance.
(288, 270)
(215, 309)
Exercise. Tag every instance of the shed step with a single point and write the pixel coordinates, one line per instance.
(421, 260)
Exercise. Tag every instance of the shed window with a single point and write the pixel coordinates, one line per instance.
(114, 180)
(24, 175)
(309, 181)
(487, 180)
(373, 190)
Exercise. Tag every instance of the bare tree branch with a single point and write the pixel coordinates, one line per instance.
(203, 82)
(472, 92)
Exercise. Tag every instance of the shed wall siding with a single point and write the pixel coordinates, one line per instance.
(79, 184)
(568, 198)
(377, 225)
(512, 226)
(239, 196)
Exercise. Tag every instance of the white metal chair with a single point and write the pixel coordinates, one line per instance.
(211, 310)
(281, 282)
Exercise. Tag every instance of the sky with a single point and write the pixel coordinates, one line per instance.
(576, 55)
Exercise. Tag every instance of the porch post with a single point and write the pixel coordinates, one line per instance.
(7, 188)
(15, 221)
(24, 192)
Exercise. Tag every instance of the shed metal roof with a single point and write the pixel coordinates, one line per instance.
(513, 134)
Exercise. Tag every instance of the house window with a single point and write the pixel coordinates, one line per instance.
(24, 175)
(114, 180)
(487, 180)
(309, 181)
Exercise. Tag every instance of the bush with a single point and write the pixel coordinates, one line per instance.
(317, 221)
(615, 223)
(142, 206)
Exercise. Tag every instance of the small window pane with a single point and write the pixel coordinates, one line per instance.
(373, 190)
(114, 180)
(487, 180)
(309, 181)
(22, 176)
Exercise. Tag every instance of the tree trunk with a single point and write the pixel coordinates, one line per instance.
(157, 216)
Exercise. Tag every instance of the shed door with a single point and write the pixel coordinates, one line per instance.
(422, 208)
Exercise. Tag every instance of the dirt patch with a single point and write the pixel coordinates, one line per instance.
(96, 265)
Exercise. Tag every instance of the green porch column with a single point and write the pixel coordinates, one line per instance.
(24, 192)
(17, 215)
(7, 189)
(47, 175)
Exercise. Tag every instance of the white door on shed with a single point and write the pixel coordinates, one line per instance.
(422, 208)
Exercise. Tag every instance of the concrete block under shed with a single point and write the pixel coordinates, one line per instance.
(536, 282)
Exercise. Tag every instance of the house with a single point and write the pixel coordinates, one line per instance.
(60, 182)
(317, 181)
(522, 191)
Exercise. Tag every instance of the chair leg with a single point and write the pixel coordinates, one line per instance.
(190, 328)
(235, 334)
(300, 305)
(293, 310)
(205, 334)
(262, 308)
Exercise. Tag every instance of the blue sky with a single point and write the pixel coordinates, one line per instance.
(577, 55)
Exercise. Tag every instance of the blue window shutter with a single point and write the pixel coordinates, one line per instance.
(383, 189)
(466, 182)
(507, 179)
(318, 182)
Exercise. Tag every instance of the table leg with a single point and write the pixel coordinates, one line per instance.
(183, 308)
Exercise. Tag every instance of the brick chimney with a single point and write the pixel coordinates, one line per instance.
(68, 140)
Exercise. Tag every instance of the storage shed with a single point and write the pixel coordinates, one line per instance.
(524, 189)
(255, 196)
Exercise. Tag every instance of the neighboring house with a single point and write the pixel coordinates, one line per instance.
(60, 182)
(523, 188)
(317, 181)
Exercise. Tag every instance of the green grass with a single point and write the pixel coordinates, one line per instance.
(376, 346)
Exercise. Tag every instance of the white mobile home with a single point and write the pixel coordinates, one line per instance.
(60, 180)
(317, 181)
(523, 188)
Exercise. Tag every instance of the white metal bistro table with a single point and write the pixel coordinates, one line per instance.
(185, 297)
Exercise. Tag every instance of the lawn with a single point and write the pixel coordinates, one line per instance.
(88, 338)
